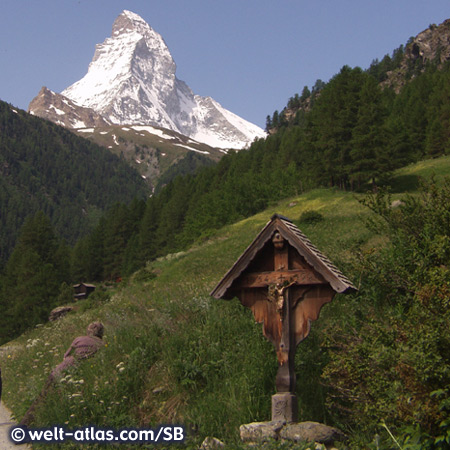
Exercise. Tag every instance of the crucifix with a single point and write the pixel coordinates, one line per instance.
(285, 281)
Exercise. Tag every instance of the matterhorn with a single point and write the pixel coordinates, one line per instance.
(132, 81)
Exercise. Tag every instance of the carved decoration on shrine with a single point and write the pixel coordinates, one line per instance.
(285, 280)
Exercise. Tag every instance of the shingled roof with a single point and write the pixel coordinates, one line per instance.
(290, 232)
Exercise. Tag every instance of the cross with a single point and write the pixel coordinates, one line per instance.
(284, 288)
(285, 281)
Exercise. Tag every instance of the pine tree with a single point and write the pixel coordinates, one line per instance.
(333, 119)
(369, 153)
(33, 275)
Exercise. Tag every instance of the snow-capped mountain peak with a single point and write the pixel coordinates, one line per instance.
(131, 81)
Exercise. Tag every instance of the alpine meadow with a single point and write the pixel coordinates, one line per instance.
(361, 164)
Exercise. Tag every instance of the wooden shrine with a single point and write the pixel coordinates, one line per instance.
(285, 280)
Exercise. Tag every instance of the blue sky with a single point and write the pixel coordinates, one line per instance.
(249, 55)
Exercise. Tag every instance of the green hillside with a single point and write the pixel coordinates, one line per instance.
(44, 167)
(174, 355)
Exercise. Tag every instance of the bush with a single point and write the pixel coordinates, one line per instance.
(391, 355)
(311, 217)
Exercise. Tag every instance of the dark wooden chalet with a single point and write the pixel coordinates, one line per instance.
(82, 290)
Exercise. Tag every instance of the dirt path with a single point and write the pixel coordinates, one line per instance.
(5, 425)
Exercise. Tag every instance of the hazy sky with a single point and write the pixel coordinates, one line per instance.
(249, 55)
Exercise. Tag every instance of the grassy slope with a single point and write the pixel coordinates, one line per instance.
(175, 355)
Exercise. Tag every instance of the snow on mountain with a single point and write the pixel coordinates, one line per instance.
(131, 81)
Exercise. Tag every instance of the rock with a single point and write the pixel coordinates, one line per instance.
(311, 432)
(64, 111)
(211, 443)
(430, 46)
(260, 431)
(397, 203)
(59, 312)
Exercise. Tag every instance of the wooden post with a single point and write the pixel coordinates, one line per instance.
(284, 402)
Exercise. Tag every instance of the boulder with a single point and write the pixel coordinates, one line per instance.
(59, 312)
(311, 432)
(260, 431)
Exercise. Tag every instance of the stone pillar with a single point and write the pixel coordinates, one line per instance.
(284, 407)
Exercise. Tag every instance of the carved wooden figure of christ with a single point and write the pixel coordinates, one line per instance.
(285, 281)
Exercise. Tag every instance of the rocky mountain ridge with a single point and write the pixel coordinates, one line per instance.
(132, 81)
(63, 111)
(429, 46)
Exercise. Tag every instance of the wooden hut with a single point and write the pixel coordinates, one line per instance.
(82, 290)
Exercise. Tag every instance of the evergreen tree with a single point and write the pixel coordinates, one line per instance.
(370, 151)
(333, 118)
(33, 275)
(437, 140)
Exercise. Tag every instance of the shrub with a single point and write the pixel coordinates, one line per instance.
(392, 353)
(311, 217)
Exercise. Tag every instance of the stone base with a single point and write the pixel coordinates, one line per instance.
(258, 432)
(284, 407)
